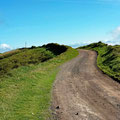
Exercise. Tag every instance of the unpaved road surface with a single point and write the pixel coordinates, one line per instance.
(82, 92)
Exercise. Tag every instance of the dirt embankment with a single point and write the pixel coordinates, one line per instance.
(82, 92)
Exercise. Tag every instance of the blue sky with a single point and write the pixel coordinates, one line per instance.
(71, 22)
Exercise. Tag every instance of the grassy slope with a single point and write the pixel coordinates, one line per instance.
(23, 58)
(9, 53)
(108, 58)
(26, 56)
(26, 94)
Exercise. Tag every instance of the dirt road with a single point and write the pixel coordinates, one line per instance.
(82, 92)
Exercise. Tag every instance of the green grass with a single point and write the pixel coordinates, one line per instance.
(26, 56)
(26, 94)
(108, 59)
(9, 53)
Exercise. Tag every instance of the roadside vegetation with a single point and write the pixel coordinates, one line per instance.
(25, 92)
(108, 58)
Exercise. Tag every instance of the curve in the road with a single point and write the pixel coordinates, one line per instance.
(82, 92)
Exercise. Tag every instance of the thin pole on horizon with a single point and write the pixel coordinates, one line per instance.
(25, 44)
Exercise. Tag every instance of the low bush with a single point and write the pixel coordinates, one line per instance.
(55, 48)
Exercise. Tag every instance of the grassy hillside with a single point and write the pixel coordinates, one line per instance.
(108, 58)
(9, 53)
(26, 94)
(26, 56)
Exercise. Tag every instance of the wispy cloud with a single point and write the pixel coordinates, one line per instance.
(116, 33)
(4, 48)
(114, 37)
(75, 45)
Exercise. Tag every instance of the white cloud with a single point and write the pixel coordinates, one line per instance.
(4, 48)
(75, 45)
(116, 33)
(114, 37)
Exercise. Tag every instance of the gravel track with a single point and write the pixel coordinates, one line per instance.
(82, 92)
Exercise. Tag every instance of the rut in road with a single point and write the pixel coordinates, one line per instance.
(82, 92)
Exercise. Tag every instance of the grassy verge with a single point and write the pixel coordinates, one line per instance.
(26, 94)
(108, 59)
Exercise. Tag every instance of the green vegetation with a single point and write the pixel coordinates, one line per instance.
(26, 94)
(108, 58)
(26, 56)
(8, 54)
